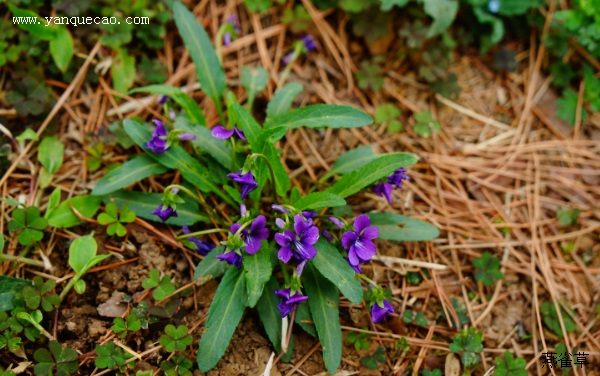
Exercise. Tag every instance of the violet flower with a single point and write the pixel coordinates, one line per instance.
(280, 208)
(298, 244)
(359, 243)
(287, 303)
(328, 236)
(245, 180)
(397, 177)
(165, 212)
(158, 142)
(232, 258)
(309, 43)
(336, 221)
(258, 232)
(380, 310)
(310, 214)
(384, 189)
(220, 132)
(202, 247)
(228, 35)
(163, 99)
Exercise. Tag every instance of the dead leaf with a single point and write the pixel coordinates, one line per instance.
(452, 365)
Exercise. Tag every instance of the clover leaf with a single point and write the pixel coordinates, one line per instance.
(510, 366)
(359, 340)
(425, 126)
(568, 216)
(59, 361)
(548, 310)
(40, 293)
(162, 287)
(469, 343)
(177, 366)
(114, 221)
(175, 339)
(121, 327)
(487, 269)
(29, 221)
(371, 361)
(411, 318)
(110, 356)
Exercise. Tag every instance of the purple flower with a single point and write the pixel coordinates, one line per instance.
(202, 247)
(187, 137)
(328, 236)
(158, 142)
(384, 189)
(280, 223)
(232, 258)
(310, 214)
(337, 222)
(163, 99)
(227, 35)
(379, 312)
(219, 131)
(298, 244)
(164, 212)
(397, 177)
(356, 268)
(246, 180)
(359, 243)
(309, 42)
(287, 303)
(287, 58)
(258, 232)
(280, 208)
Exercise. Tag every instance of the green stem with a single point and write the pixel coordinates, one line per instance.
(232, 153)
(210, 211)
(23, 260)
(219, 42)
(246, 224)
(288, 68)
(203, 232)
(250, 102)
(275, 201)
(27, 317)
(286, 276)
(69, 286)
(367, 279)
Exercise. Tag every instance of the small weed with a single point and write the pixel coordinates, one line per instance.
(40, 293)
(175, 339)
(487, 269)
(411, 318)
(371, 361)
(123, 327)
(359, 340)
(548, 310)
(29, 222)
(425, 126)
(469, 344)
(510, 366)
(114, 221)
(369, 75)
(388, 114)
(568, 216)
(57, 361)
(162, 286)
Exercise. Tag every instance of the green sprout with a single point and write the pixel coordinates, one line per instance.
(175, 339)
(94, 158)
(369, 75)
(39, 293)
(177, 366)
(425, 126)
(435, 372)
(548, 310)
(510, 366)
(59, 361)
(487, 269)
(162, 287)
(122, 327)
(359, 340)
(114, 221)
(388, 114)
(29, 221)
(568, 216)
(469, 344)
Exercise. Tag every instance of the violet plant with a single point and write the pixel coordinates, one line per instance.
(280, 249)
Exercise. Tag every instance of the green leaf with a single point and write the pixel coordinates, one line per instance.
(62, 48)
(211, 267)
(352, 160)
(323, 302)
(143, 203)
(224, 314)
(53, 201)
(252, 130)
(81, 251)
(63, 216)
(50, 154)
(122, 71)
(269, 314)
(567, 107)
(319, 200)
(517, 7)
(216, 148)
(282, 178)
(282, 99)
(303, 314)
(9, 287)
(443, 13)
(258, 271)
(568, 216)
(317, 116)
(79, 286)
(386, 5)
(27, 134)
(38, 29)
(187, 104)
(386, 112)
(370, 173)
(178, 159)
(208, 68)
(132, 171)
(332, 266)
(487, 269)
(254, 81)
(404, 229)
(257, 5)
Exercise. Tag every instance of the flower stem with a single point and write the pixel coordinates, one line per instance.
(203, 232)
(233, 154)
(288, 68)
(275, 201)
(242, 227)
(286, 276)
(367, 279)
(209, 210)
(23, 260)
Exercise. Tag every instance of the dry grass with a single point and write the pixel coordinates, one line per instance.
(492, 179)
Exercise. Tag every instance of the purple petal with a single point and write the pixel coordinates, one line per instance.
(259, 223)
(220, 132)
(365, 249)
(309, 42)
(352, 258)
(337, 222)
(187, 137)
(243, 210)
(300, 268)
(311, 236)
(160, 130)
(231, 258)
(306, 251)
(283, 293)
(348, 238)
(163, 99)
(370, 233)
(227, 38)
(361, 222)
(285, 254)
(287, 58)
(234, 227)
(239, 133)
(328, 236)
(300, 224)
(285, 238)
(378, 313)
(310, 214)
(384, 189)
(280, 208)
(280, 223)
(252, 245)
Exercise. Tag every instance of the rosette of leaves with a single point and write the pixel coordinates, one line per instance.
(28, 221)
(388, 114)
(122, 327)
(114, 220)
(111, 356)
(510, 366)
(469, 344)
(40, 293)
(551, 320)
(487, 269)
(369, 75)
(175, 338)
(57, 361)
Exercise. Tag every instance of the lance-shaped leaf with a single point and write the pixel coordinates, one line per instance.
(303, 314)
(319, 200)
(323, 300)
(332, 266)
(208, 68)
(282, 99)
(211, 267)
(351, 160)
(254, 81)
(269, 314)
(258, 271)
(130, 172)
(187, 104)
(218, 149)
(370, 173)
(224, 314)
(317, 116)
(400, 228)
